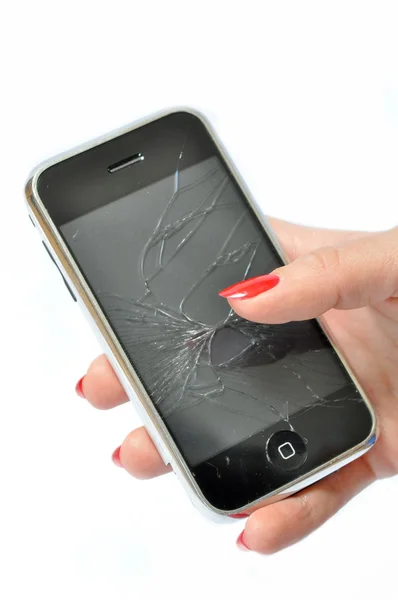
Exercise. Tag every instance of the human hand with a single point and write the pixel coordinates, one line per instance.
(351, 279)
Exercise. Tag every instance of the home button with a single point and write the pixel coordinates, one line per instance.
(286, 450)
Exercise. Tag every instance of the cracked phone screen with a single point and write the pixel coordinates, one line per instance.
(156, 259)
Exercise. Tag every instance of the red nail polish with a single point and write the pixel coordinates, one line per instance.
(241, 544)
(79, 388)
(249, 288)
(116, 457)
(240, 516)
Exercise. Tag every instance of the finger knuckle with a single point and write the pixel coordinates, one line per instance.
(322, 260)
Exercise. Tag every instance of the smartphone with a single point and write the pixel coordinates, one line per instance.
(146, 225)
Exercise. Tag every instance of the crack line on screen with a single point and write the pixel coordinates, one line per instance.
(173, 349)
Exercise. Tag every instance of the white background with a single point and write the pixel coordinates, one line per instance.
(305, 97)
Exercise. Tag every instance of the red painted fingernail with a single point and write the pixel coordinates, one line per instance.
(241, 544)
(79, 388)
(239, 516)
(249, 288)
(116, 457)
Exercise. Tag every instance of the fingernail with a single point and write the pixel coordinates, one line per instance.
(239, 516)
(116, 457)
(250, 287)
(241, 544)
(79, 388)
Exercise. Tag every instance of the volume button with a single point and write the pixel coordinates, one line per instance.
(60, 272)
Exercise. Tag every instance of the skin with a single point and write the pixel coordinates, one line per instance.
(351, 279)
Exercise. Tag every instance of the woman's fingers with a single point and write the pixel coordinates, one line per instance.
(139, 456)
(100, 386)
(279, 525)
(357, 273)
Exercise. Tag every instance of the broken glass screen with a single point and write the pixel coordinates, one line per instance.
(156, 259)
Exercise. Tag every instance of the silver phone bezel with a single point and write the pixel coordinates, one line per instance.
(122, 365)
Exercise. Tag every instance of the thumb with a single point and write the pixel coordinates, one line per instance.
(357, 273)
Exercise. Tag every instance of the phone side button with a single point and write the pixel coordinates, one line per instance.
(59, 270)
(68, 288)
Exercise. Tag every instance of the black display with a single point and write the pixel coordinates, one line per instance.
(156, 240)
